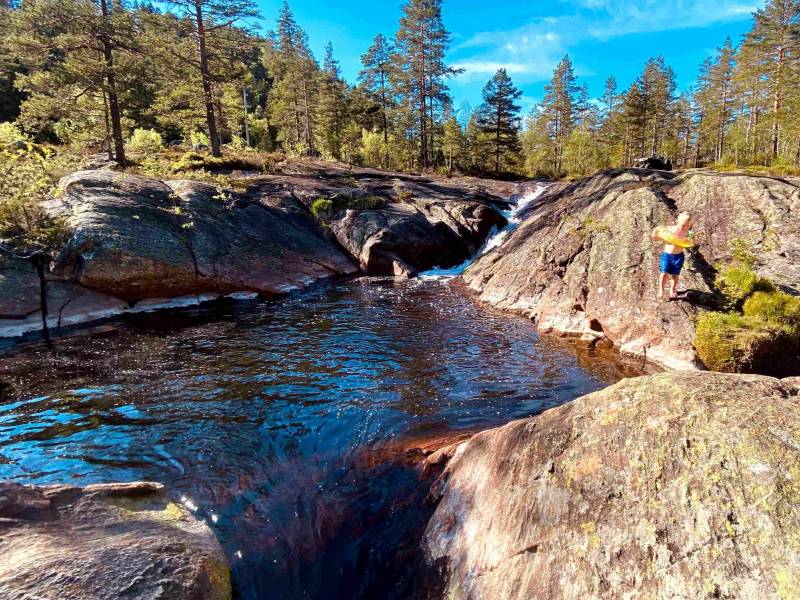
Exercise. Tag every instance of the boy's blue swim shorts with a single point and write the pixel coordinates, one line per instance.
(672, 263)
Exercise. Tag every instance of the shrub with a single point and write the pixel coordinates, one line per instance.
(321, 208)
(190, 161)
(733, 343)
(738, 282)
(199, 139)
(777, 308)
(145, 141)
(11, 134)
(27, 176)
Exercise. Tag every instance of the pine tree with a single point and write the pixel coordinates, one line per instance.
(331, 107)
(499, 118)
(774, 40)
(374, 77)
(558, 109)
(207, 18)
(71, 48)
(289, 59)
(420, 71)
(713, 97)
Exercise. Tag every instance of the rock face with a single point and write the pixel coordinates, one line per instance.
(138, 238)
(582, 262)
(134, 240)
(105, 542)
(22, 307)
(402, 239)
(424, 222)
(677, 486)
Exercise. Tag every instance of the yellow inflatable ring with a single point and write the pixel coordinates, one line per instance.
(666, 236)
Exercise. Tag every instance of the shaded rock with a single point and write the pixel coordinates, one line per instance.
(67, 303)
(105, 541)
(138, 238)
(401, 239)
(669, 486)
(19, 288)
(426, 221)
(582, 262)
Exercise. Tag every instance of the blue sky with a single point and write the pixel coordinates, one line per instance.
(603, 37)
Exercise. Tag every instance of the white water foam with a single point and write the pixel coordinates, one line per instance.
(494, 240)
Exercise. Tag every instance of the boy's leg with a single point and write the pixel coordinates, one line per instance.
(674, 291)
(662, 280)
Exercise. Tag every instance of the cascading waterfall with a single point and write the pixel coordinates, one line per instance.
(495, 239)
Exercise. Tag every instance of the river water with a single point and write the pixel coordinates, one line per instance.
(285, 425)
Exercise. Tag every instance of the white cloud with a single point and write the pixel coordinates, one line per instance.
(532, 50)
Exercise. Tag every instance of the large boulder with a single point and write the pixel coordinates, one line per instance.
(401, 239)
(417, 222)
(678, 486)
(136, 238)
(582, 262)
(105, 542)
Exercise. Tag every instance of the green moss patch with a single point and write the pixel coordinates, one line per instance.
(759, 333)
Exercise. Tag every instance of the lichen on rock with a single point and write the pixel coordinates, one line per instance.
(105, 542)
(669, 486)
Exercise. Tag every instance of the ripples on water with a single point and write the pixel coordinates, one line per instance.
(276, 419)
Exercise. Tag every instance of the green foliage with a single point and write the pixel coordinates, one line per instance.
(742, 253)
(777, 308)
(738, 282)
(498, 118)
(27, 177)
(11, 134)
(759, 333)
(196, 161)
(198, 139)
(145, 141)
(733, 343)
(322, 208)
(327, 207)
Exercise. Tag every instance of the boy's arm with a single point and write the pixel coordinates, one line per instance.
(654, 234)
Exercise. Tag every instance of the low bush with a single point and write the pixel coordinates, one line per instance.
(738, 282)
(199, 139)
(196, 161)
(11, 134)
(322, 208)
(366, 202)
(27, 177)
(734, 343)
(145, 141)
(777, 308)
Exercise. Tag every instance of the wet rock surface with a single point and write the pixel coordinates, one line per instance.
(582, 262)
(105, 541)
(677, 485)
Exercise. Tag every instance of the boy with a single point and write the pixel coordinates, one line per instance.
(672, 258)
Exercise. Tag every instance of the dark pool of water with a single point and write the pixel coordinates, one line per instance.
(282, 421)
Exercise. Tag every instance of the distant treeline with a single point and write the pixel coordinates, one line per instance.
(89, 73)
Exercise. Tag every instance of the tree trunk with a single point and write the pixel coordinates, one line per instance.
(776, 103)
(111, 83)
(497, 146)
(697, 145)
(208, 95)
(383, 109)
(106, 118)
(307, 109)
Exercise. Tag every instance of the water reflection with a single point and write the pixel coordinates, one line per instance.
(268, 417)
